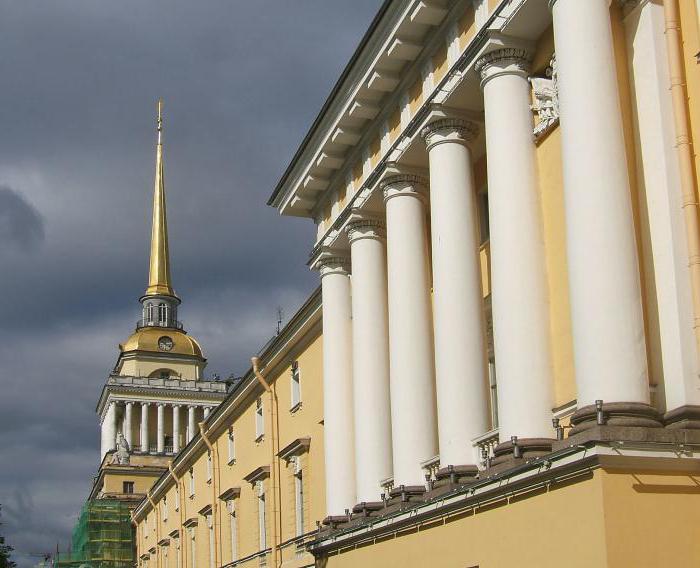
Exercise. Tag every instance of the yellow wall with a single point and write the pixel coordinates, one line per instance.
(610, 520)
(305, 421)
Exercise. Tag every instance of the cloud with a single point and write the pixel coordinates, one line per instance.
(21, 225)
(242, 82)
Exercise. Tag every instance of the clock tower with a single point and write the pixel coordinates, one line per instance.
(156, 395)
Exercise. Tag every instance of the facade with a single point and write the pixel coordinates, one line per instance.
(502, 363)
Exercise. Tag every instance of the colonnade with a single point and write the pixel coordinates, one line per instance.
(404, 372)
(119, 418)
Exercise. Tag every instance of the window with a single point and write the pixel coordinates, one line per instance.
(178, 552)
(149, 313)
(296, 386)
(162, 314)
(259, 420)
(193, 547)
(164, 508)
(262, 532)
(191, 482)
(128, 487)
(483, 204)
(164, 374)
(233, 519)
(177, 497)
(209, 466)
(299, 497)
(231, 447)
(210, 527)
(494, 394)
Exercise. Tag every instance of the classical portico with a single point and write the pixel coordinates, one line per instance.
(489, 298)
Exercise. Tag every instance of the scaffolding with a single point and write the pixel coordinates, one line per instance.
(103, 537)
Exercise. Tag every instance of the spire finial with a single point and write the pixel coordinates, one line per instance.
(160, 121)
(159, 273)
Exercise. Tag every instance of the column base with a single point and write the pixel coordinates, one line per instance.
(407, 494)
(623, 414)
(457, 474)
(333, 521)
(683, 417)
(367, 509)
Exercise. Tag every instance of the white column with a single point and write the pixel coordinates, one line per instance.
(109, 429)
(519, 291)
(207, 411)
(160, 441)
(144, 427)
(412, 376)
(190, 423)
(370, 361)
(337, 384)
(606, 308)
(128, 422)
(176, 428)
(460, 344)
(659, 180)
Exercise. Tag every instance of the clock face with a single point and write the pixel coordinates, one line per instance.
(165, 343)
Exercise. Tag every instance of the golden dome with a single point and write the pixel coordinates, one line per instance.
(155, 339)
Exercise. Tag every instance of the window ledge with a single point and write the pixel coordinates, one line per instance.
(295, 408)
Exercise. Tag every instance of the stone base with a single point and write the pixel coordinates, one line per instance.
(367, 508)
(457, 474)
(632, 434)
(333, 521)
(529, 448)
(683, 417)
(407, 494)
(623, 414)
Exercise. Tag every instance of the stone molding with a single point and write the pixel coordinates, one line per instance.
(333, 265)
(404, 184)
(444, 130)
(366, 229)
(505, 61)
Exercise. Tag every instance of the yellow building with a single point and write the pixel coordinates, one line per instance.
(501, 367)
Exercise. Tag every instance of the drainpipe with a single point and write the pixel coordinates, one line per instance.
(684, 147)
(274, 462)
(157, 514)
(180, 506)
(215, 494)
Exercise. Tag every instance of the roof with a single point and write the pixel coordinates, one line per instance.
(146, 339)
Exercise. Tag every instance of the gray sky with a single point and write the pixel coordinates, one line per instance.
(242, 82)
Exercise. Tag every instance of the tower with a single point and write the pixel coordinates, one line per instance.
(155, 396)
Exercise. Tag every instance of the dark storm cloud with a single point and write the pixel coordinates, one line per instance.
(242, 81)
(21, 225)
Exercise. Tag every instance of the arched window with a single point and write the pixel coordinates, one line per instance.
(162, 314)
(149, 313)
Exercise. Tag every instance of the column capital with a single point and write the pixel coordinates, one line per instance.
(404, 184)
(338, 263)
(504, 61)
(366, 228)
(456, 130)
(129, 403)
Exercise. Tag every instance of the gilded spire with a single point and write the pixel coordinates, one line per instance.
(159, 273)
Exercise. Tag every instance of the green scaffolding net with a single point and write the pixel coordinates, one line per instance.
(103, 537)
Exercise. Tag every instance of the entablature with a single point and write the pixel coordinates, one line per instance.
(353, 181)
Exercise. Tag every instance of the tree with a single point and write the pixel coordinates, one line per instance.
(5, 550)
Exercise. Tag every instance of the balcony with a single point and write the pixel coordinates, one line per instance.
(172, 324)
